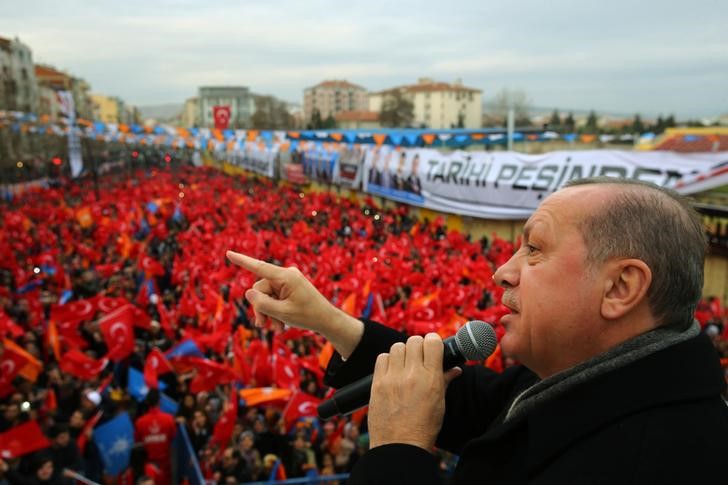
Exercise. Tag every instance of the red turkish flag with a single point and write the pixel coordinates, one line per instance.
(74, 311)
(21, 440)
(286, 373)
(209, 375)
(165, 319)
(80, 365)
(155, 365)
(11, 363)
(221, 114)
(150, 266)
(260, 363)
(107, 304)
(223, 430)
(118, 331)
(301, 405)
(8, 326)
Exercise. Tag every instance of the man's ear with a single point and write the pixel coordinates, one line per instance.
(625, 287)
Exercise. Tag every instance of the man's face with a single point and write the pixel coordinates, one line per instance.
(555, 297)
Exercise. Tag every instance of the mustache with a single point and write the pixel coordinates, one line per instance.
(509, 300)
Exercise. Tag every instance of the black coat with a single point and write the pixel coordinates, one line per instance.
(658, 420)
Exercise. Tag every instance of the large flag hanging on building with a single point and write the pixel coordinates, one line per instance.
(114, 440)
(221, 114)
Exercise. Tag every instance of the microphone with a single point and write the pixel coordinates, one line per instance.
(475, 340)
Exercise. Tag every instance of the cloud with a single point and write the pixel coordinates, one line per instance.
(649, 56)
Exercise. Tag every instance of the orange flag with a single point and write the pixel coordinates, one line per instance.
(53, 342)
(32, 366)
(264, 395)
(349, 304)
(327, 351)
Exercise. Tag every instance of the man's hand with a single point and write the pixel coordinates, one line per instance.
(286, 295)
(407, 403)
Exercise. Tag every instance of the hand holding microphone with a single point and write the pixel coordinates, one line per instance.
(475, 340)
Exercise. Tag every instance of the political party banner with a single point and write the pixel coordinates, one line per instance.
(319, 164)
(510, 185)
(256, 157)
(348, 169)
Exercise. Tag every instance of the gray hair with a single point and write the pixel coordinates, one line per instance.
(659, 227)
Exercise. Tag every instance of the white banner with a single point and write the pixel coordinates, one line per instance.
(256, 159)
(68, 109)
(510, 185)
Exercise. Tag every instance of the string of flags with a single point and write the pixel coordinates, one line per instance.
(232, 140)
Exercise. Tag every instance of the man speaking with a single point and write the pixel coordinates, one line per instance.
(616, 384)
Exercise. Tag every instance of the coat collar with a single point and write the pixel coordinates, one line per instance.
(685, 371)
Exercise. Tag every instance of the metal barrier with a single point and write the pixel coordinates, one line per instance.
(303, 481)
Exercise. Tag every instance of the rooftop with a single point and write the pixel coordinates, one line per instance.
(337, 84)
(428, 85)
(357, 116)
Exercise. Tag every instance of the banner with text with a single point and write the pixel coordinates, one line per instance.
(510, 185)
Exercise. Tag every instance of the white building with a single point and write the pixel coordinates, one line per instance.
(437, 105)
(238, 98)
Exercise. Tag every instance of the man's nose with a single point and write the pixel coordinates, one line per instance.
(508, 275)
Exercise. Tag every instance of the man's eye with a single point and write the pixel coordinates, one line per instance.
(531, 249)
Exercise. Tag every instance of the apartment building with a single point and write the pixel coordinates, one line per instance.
(437, 105)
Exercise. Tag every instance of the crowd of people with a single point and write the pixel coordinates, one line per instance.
(94, 291)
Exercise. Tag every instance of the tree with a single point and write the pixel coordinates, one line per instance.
(517, 100)
(592, 123)
(555, 121)
(637, 125)
(329, 123)
(271, 113)
(397, 110)
(569, 123)
(316, 121)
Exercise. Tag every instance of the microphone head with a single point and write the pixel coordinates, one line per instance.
(476, 340)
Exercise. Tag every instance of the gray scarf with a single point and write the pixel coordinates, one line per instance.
(621, 355)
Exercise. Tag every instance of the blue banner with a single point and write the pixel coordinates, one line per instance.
(114, 440)
(136, 386)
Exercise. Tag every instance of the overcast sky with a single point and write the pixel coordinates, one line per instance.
(644, 56)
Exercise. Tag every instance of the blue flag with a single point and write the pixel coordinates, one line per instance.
(30, 286)
(114, 440)
(168, 405)
(65, 297)
(185, 348)
(136, 386)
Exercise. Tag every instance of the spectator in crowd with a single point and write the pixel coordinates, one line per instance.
(233, 466)
(199, 430)
(156, 431)
(250, 454)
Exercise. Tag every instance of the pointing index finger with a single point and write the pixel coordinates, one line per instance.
(256, 266)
